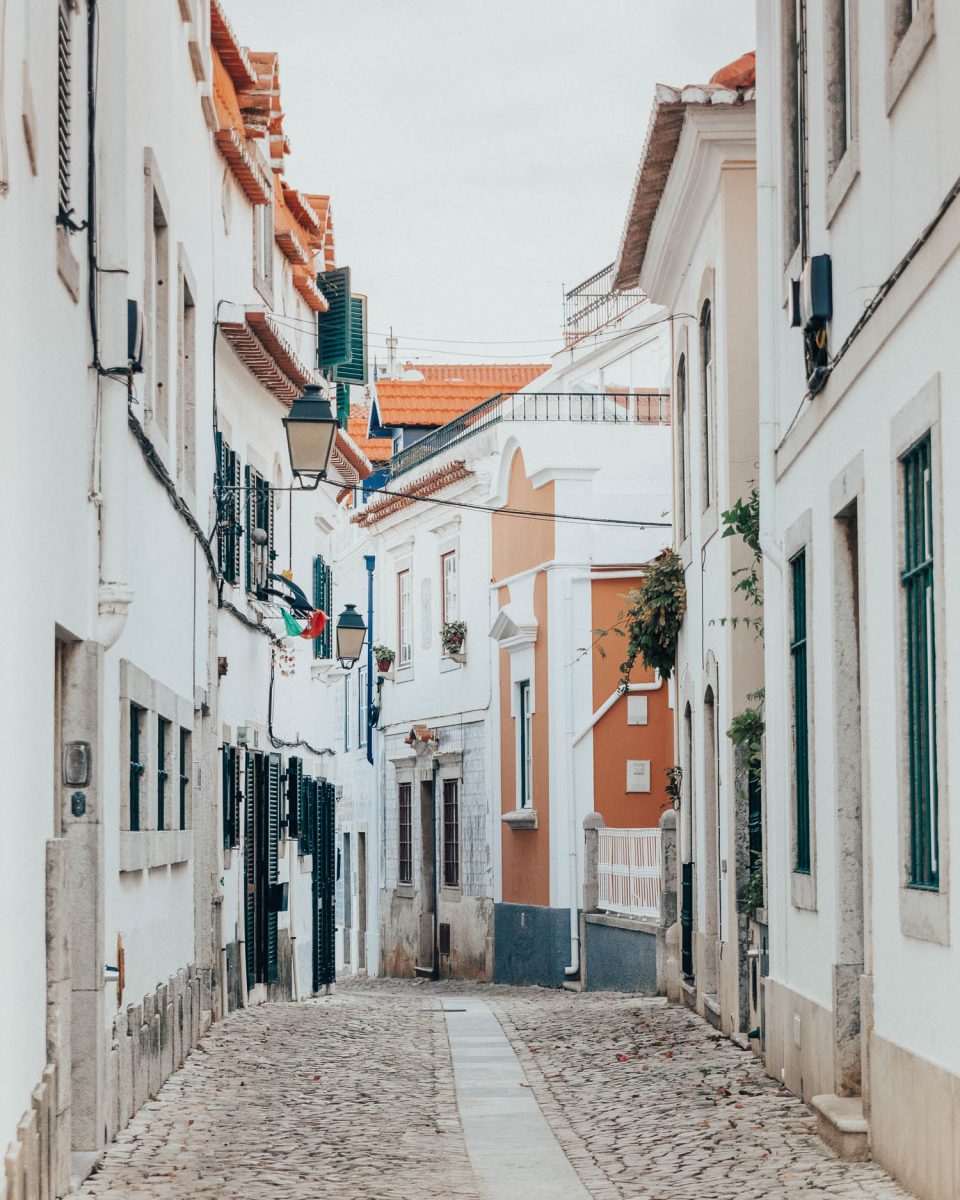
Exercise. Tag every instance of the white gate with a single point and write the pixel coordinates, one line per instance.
(629, 872)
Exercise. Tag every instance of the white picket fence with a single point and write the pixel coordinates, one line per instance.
(629, 870)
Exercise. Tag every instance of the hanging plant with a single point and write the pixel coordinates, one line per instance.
(453, 634)
(654, 617)
(384, 656)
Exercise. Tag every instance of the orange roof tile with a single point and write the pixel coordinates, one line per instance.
(429, 402)
(425, 486)
(378, 450)
(236, 58)
(741, 73)
(507, 376)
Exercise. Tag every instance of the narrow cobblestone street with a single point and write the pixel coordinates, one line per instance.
(356, 1097)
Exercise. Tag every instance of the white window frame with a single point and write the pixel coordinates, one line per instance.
(450, 596)
(404, 618)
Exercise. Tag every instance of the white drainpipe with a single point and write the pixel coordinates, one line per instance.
(632, 689)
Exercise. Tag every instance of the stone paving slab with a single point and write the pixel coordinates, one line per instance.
(354, 1097)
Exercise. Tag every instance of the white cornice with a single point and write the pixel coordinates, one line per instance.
(712, 139)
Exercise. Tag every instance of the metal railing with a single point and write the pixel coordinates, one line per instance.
(616, 408)
(629, 872)
(592, 304)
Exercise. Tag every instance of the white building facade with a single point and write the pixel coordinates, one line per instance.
(858, 367)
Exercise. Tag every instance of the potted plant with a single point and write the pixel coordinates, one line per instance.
(453, 634)
(384, 656)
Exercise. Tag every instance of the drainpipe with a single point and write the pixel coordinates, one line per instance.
(632, 690)
(574, 968)
(371, 563)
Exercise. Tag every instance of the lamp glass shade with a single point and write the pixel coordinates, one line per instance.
(351, 634)
(311, 430)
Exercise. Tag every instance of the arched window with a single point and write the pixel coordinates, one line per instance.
(708, 470)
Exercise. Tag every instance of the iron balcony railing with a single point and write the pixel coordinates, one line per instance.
(592, 304)
(615, 408)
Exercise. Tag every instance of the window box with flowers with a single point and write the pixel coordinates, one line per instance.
(453, 636)
(384, 657)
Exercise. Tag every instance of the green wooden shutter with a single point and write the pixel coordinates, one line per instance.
(273, 864)
(224, 499)
(334, 327)
(294, 788)
(801, 731)
(343, 404)
(249, 867)
(355, 370)
(323, 600)
(226, 785)
(324, 888)
(231, 568)
(250, 510)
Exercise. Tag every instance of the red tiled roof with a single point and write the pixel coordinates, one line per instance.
(508, 377)
(425, 486)
(378, 450)
(348, 458)
(428, 402)
(741, 73)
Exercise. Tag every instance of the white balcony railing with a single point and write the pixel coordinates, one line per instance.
(629, 871)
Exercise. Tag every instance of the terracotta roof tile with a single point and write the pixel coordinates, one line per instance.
(377, 450)
(425, 486)
(429, 402)
(507, 376)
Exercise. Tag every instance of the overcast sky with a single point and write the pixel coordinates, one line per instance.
(479, 153)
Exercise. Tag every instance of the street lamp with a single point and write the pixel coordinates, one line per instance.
(351, 632)
(311, 429)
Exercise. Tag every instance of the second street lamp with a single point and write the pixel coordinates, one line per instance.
(351, 632)
(311, 431)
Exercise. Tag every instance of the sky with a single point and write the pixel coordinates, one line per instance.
(479, 154)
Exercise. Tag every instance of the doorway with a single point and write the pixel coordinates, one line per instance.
(347, 901)
(426, 960)
(849, 793)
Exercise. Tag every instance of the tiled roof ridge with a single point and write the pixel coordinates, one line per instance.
(427, 485)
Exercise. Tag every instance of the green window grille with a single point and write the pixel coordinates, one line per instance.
(526, 746)
(229, 511)
(323, 600)
(184, 774)
(916, 579)
(136, 766)
(405, 834)
(451, 833)
(163, 728)
(801, 762)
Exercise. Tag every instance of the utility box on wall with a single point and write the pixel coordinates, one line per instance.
(638, 775)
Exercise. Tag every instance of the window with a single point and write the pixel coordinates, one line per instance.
(682, 434)
(346, 710)
(840, 74)
(450, 603)
(163, 748)
(362, 706)
(136, 765)
(916, 579)
(911, 28)
(184, 779)
(231, 796)
(323, 601)
(186, 384)
(263, 250)
(260, 552)
(525, 765)
(405, 835)
(64, 104)
(158, 322)
(708, 414)
(793, 49)
(451, 833)
(405, 618)
(229, 516)
(798, 655)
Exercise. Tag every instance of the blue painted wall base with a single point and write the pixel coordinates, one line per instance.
(531, 944)
(620, 959)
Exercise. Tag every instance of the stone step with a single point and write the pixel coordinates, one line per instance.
(842, 1125)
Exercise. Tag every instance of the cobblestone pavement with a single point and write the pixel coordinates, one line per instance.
(354, 1097)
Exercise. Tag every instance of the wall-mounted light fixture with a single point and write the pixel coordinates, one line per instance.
(351, 632)
(311, 431)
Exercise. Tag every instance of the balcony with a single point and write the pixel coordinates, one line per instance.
(592, 304)
(614, 408)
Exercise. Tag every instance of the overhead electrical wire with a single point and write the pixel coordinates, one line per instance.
(526, 514)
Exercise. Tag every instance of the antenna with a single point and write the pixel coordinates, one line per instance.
(391, 351)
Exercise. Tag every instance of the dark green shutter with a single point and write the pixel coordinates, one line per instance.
(323, 600)
(294, 788)
(224, 499)
(798, 653)
(273, 864)
(249, 867)
(231, 567)
(324, 887)
(250, 510)
(355, 371)
(343, 404)
(334, 327)
(226, 789)
(917, 581)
